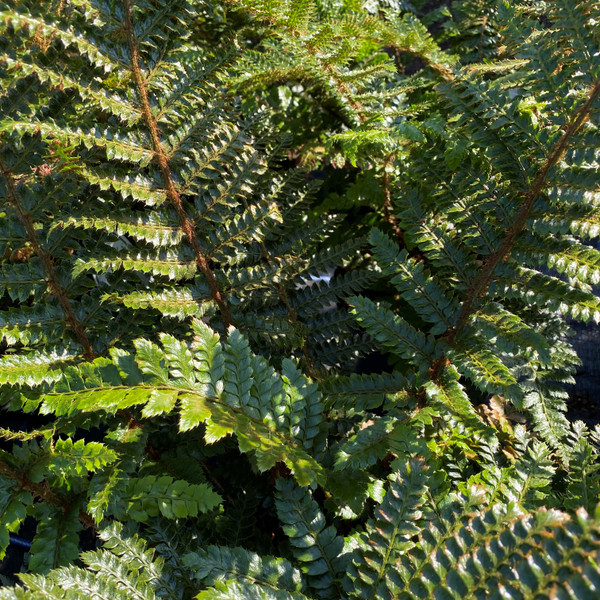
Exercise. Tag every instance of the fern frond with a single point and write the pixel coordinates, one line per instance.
(151, 230)
(583, 487)
(56, 541)
(548, 413)
(394, 333)
(316, 547)
(526, 482)
(173, 499)
(544, 539)
(233, 590)
(415, 284)
(363, 392)
(205, 381)
(389, 535)
(484, 368)
(448, 396)
(375, 440)
(212, 210)
(127, 571)
(533, 287)
(13, 512)
(32, 325)
(69, 458)
(117, 146)
(112, 103)
(27, 25)
(215, 564)
(181, 302)
(35, 368)
(508, 331)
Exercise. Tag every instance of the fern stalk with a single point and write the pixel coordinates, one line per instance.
(480, 285)
(46, 260)
(162, 160)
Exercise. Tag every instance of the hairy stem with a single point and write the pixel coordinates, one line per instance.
(162, 160)
(482, 282)
(55, 288)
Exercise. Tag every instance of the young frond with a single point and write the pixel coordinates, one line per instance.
(211, 383)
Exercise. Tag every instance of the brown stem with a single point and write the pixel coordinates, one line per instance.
(162, 160)
(43, 492)
(46, 260)
(481, 283)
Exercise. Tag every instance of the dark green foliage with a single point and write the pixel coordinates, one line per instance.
(316, 547)
(389, 535)
(210, 211)
(221, 564)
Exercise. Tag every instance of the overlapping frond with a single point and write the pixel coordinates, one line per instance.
(211, 211)
(316, 547)
(125, 568)
(168, 184)
(491, 219)
(224, 386)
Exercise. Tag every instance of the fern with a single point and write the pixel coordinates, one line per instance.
(472, 261)
(422, 541)
(316, 547)
(390, 534)
(161, 378)
(222, 564)
(211, 211)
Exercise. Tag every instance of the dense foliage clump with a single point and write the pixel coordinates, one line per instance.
(212, 213)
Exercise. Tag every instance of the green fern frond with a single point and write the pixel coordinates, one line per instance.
(69, 458)
(211, 211)
(544, 539)
(215, 564)
(583, 487)
(14, 507)
(485, 368)
(394, 333)
(35, 368)
(56, 541)
(173, 499)
(389, 535)
(526, 482)
(508, 332)
(128, 570)
(233, 590)
(317, 548)
(448, 396)
(363, 392)
(211, 384)
(415, 284)
(548, 413)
